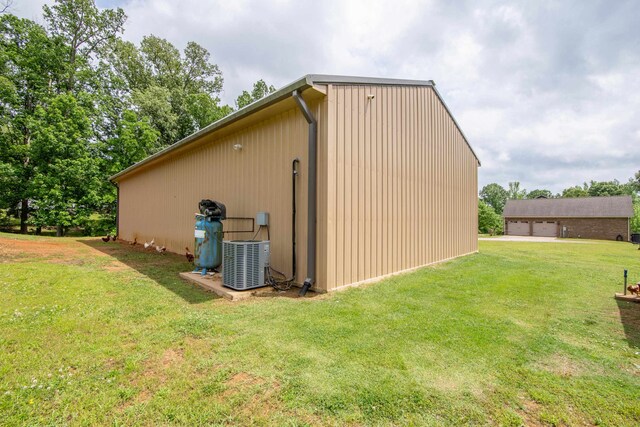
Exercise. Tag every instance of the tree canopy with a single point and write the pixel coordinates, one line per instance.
(78, 104)
(537, 194)
(260, 90)
(495, 196)
(489, 222)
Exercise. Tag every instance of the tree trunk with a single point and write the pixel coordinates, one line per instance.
(24, 215)
(59, 231)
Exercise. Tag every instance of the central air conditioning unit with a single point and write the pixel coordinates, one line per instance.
(243, 263)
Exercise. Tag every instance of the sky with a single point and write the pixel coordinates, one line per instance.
(546, 92)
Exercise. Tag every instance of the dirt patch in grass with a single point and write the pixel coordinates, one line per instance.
(154, 369)
(153, 376)
(28, 249)
(243, 379)
(60, 251)
(530, 413)
(172, 357)
(563, 365)
(263, 401)
(262, 404)
(144, 396)
(112, 364)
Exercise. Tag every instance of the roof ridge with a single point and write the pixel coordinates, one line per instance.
(571, 198)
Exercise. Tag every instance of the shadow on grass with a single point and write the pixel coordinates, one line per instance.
(163, 269)
(630, 316)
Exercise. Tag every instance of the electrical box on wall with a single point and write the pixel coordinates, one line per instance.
(262, 218)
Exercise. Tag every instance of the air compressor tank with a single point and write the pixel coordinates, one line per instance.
(208, 236)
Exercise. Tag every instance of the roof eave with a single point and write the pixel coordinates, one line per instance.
(355, 80)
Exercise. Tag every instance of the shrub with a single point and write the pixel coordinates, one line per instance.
(488, 220)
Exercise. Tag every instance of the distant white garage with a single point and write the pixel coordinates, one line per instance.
(518, 228)
(545, 229)
(581, 218)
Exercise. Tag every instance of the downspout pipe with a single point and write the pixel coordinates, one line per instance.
(312, 193)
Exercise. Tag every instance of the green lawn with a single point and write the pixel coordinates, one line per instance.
(521, 333)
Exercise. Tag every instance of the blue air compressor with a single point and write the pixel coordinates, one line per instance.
(208, 236)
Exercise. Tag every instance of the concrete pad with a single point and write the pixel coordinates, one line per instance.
(213, 283)
(627, 297)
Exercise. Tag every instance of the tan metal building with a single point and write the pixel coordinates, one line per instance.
(395, 179)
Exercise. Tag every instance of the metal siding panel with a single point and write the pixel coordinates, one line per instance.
(360, 225)
(377, 189)
(330, 193)
(387, 199)
(340, 184)
(349, 261)
(321, 233)
(366, 182)
(396, 208)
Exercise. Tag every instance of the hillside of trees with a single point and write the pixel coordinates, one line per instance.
(493, 197)
(78, 104)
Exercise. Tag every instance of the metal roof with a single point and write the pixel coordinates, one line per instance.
(301, 84)
(580, 207)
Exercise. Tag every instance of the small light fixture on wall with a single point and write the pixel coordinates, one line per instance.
(370, 97)
(237, 147)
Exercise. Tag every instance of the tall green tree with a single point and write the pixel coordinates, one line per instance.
(606, 188)
(66, 175)
(31, 64)
(575, 191)
(635, 220)
(514, 191)
(495, 196)
(259, 91)
(86, 31)
(177, 92)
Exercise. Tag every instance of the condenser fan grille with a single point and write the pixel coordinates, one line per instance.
(244, 262)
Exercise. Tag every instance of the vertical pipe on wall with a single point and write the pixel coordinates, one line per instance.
(117, 209)
(312, 192)
(294, 168)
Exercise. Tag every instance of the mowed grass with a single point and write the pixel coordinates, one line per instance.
(521, 333)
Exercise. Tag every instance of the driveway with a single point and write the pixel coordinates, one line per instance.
(531, 239)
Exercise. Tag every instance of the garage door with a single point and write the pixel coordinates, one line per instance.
(518, 228)
(545, 229)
